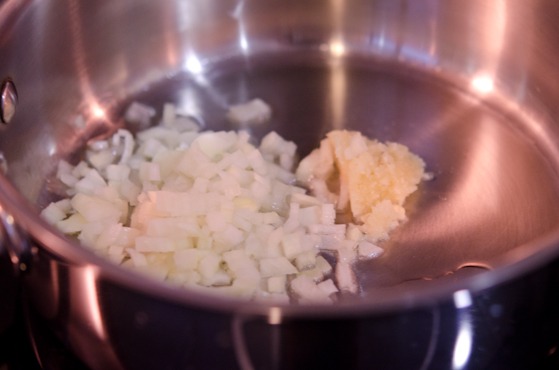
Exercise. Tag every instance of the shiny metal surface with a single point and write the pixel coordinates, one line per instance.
(470, 86)
(10, 285)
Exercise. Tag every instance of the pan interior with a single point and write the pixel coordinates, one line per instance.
(495, 185)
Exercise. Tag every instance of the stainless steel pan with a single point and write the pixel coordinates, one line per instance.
(468, 283)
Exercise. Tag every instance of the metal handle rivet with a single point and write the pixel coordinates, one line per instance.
(8, 101)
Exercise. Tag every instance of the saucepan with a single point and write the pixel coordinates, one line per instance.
(470, 281)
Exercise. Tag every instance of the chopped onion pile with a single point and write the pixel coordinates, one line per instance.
(213, 211)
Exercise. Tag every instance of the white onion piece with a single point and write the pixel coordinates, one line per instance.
(254, 112)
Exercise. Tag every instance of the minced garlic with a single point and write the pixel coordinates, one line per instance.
(368, 179)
